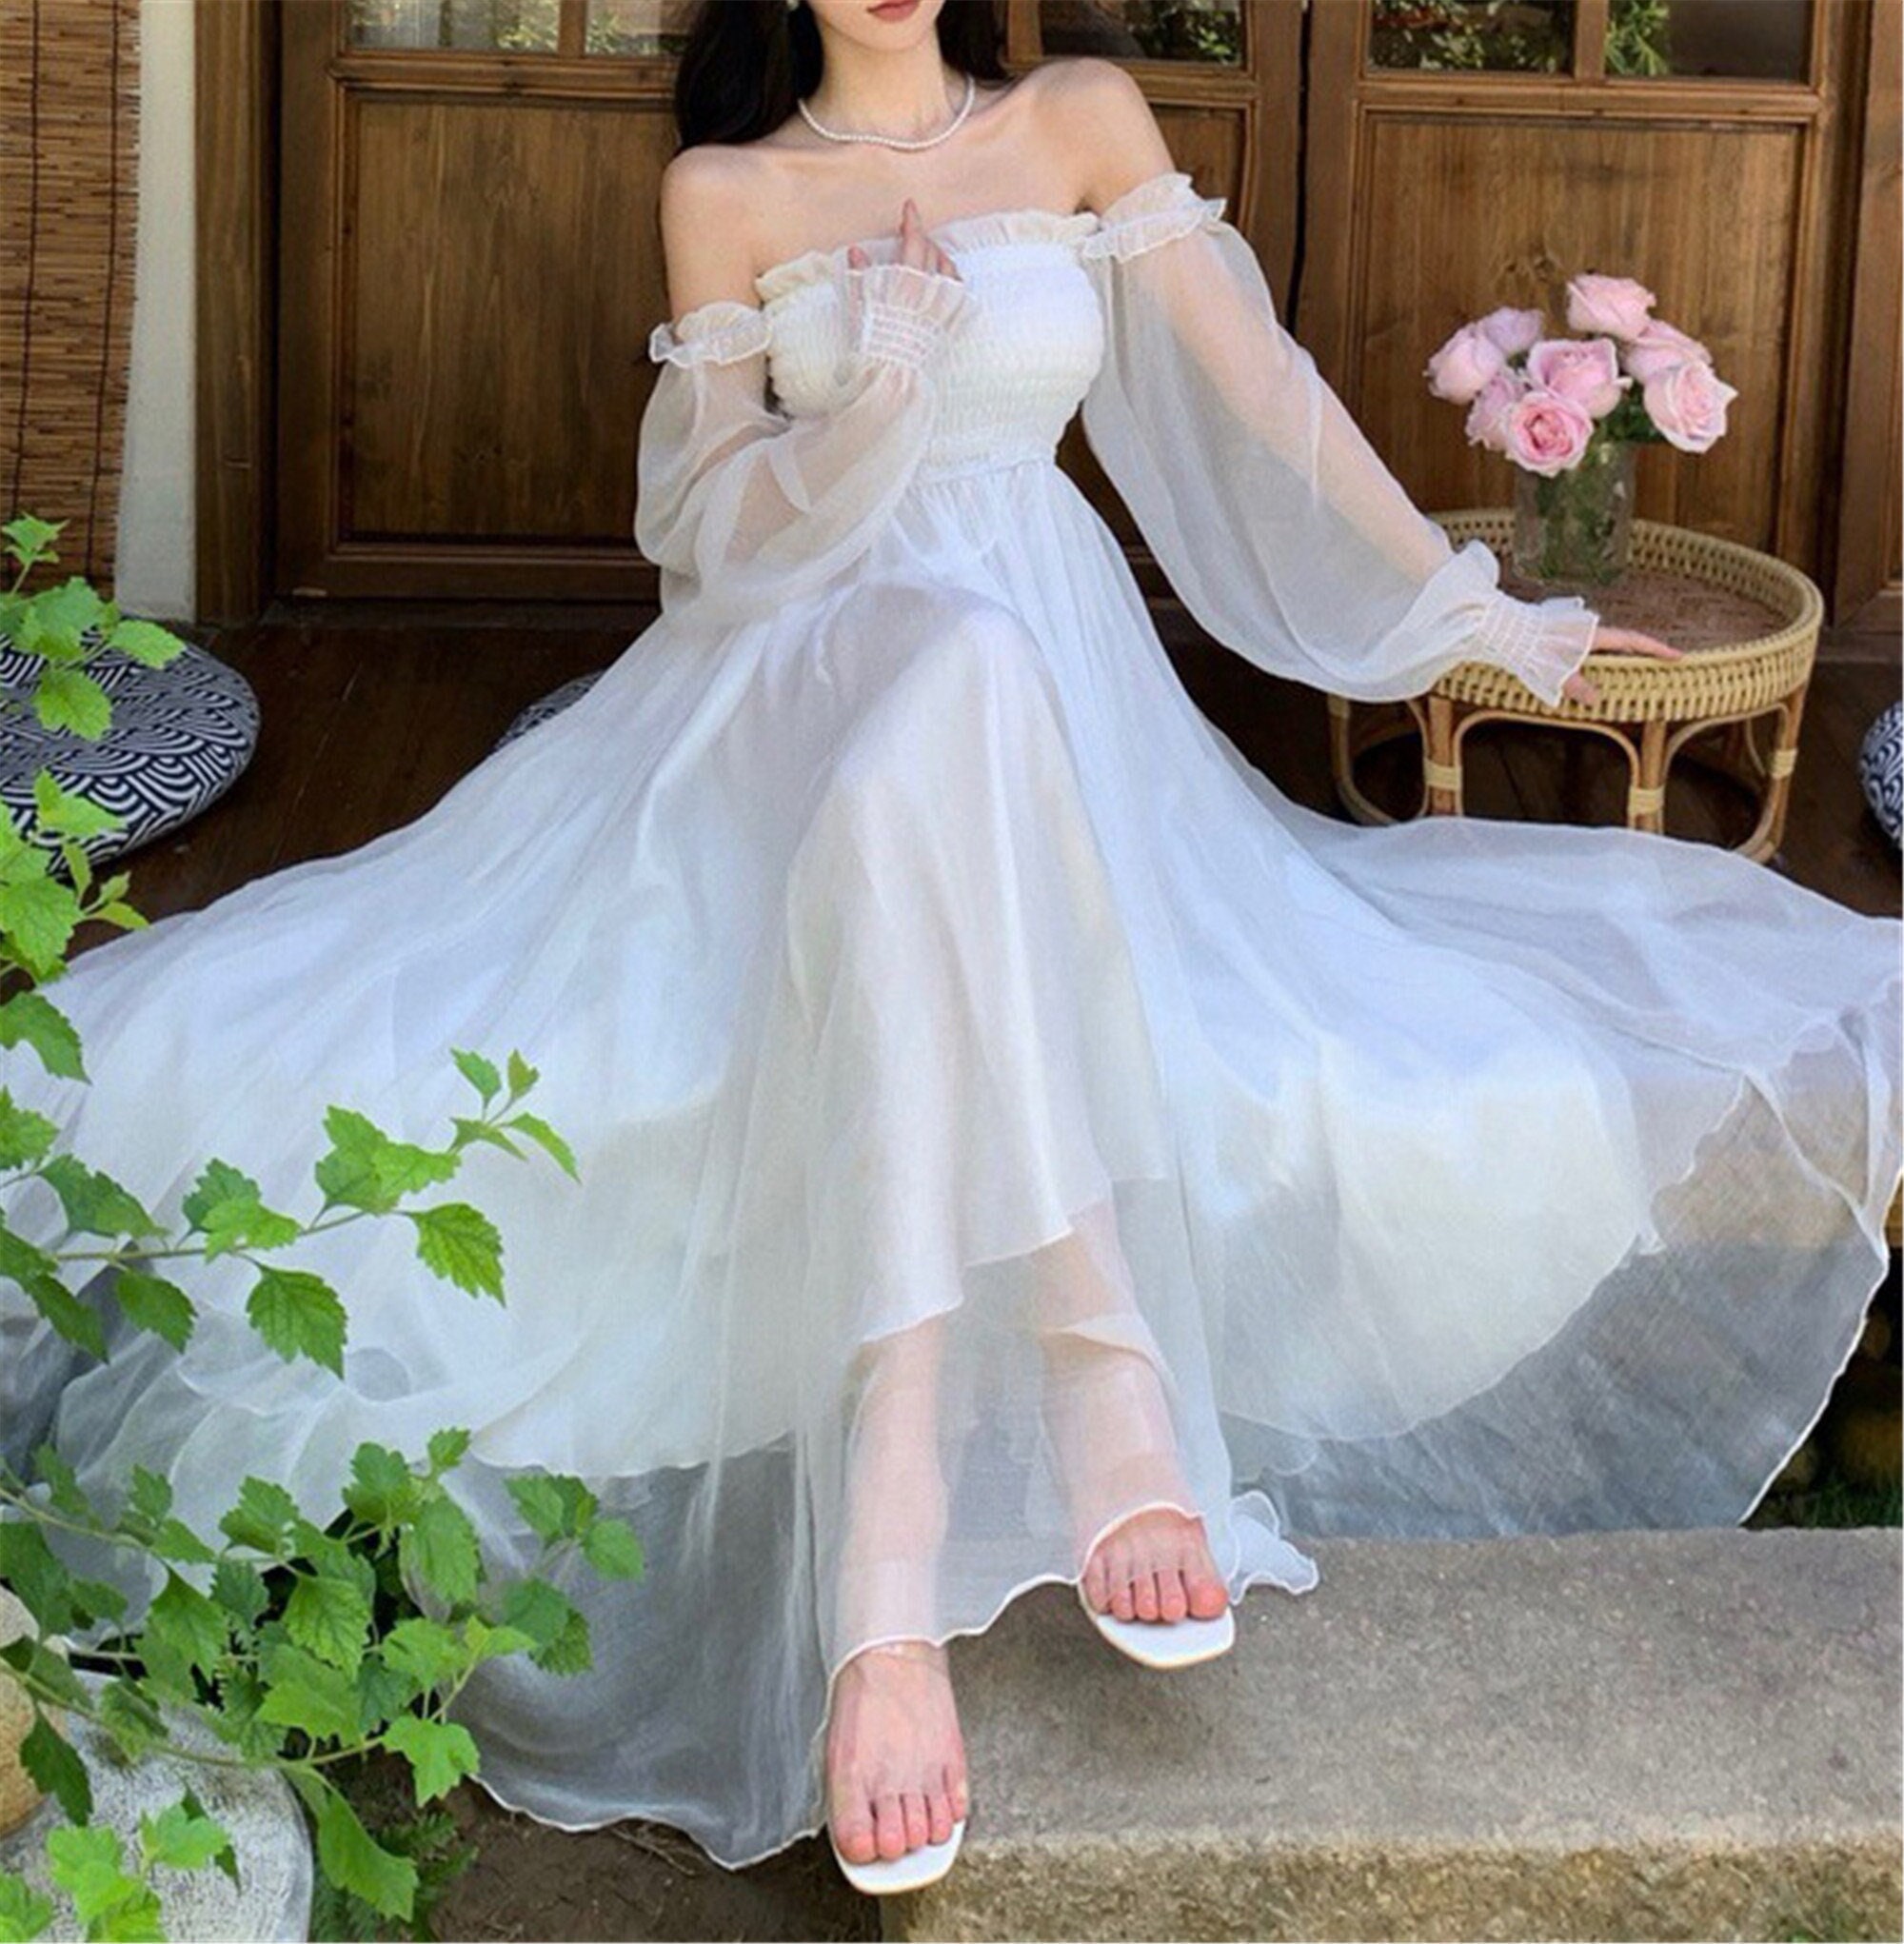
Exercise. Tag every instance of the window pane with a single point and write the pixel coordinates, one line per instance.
(1144, 30)
(1525, 37)
(1760, 39)
(512, 26)
(639, 27)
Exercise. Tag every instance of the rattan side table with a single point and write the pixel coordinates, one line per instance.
(1748, 621)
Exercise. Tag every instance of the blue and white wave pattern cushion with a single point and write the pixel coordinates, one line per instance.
(1881, 768)
(180, 736)
(546, 707)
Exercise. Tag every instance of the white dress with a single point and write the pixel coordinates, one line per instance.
(983, 1081)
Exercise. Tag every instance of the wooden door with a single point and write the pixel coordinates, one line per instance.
(1462, 155)
(469, 264)
(467, 278)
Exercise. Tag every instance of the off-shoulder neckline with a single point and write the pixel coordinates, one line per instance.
(975, 229)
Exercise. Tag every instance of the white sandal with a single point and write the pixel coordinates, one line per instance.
(915, 1868)
(1158, 1643)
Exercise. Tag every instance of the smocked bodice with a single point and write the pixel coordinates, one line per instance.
(1008, 381)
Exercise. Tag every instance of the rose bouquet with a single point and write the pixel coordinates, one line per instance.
(1567, 412)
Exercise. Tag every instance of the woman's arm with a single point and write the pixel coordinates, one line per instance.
(1275, 520)
(741, 505)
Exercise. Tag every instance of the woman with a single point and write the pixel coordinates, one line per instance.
(1016, 1143)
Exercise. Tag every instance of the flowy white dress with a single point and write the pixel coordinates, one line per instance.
(996, 1107)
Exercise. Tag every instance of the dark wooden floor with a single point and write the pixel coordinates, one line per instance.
(368, 720)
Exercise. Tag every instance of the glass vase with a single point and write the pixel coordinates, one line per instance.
(1571, 529)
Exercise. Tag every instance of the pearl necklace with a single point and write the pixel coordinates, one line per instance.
(894, 141)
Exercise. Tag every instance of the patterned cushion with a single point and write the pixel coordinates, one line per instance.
(180, 736)
(1881, 768)
(550, 705)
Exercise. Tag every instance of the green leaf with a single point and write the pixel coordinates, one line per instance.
(447, 1447)
(522, 1075)
(239, 1587)
(94, 1203)
(22, 1260)
(24, 1136)
(147, 641)
(441, 1550)
(367, 1169)
(440, 1753)
(545, 1508)
(174, 1540)
(570, 1651)
(39, 918)
(183, 1629)
(57, 809)
(87, 1864)
(307, 1693)
(226, 1857)
(54, 1764)
(383, 1489)
(329, 1616)
(297, 1313)
(62, 1481)
(425, 1649)
(72, 699)
(95, 1599)
(469, 1130)
(129, 1715)
(612, 1549)
(479, 1073)
(37, 1576)
(39, 1663)
(25, 1914)
(150, 1495)
(31, 1019)
(354, 1861)
(460, 1244)
(384, 1690)
(153, 1303)
(488, 1642)
(30, 541)
(265, 1513)
(226, 1205)
(547, 1138)
(180, 1838)
(74, 1321)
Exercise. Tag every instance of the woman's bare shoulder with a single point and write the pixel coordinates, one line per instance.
(1107, 123)
(710, 199)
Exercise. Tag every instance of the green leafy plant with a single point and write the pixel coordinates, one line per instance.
(297, 1647)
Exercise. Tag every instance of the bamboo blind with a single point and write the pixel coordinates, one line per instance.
(68, 223)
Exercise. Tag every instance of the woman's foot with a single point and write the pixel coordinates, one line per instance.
(1155, 1566)
(895, 1756)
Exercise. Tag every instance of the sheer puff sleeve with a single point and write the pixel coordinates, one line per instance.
(1278, 522)
(743, 507)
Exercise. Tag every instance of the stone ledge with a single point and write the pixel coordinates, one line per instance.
(1610, 1734)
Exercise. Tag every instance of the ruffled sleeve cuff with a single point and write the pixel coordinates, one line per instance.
(1541, 642)
(1157, 210)
(902, 314)
(719, 332)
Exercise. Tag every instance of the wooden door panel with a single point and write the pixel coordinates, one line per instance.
(490, 373)
(1441, 246)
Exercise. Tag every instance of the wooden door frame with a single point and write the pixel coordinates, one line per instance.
(235, 197)
(236, 46)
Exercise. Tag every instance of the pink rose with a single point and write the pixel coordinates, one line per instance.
(1512, 330)
(1616, 306)
(1545, 432)
(1688, 404)
(1487, 416)
(1660, 344)
(1585, 371)
(1463, 364)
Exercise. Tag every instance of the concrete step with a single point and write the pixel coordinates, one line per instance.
(1610, 1736)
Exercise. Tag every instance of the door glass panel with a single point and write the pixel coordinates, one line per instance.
(507, 26)
(639, 27)
(1523, 36)
(1755, 39)
(1208, 31)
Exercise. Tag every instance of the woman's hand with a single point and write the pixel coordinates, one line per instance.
(1620, 641)
(915, 246)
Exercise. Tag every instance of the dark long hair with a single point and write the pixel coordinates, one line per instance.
(748, 63)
